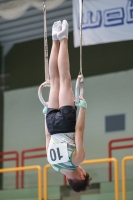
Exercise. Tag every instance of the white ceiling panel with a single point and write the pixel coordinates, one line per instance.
(30, 25)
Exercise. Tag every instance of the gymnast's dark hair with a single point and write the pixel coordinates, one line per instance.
(80, 185)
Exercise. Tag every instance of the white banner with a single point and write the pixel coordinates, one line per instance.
(103, 21)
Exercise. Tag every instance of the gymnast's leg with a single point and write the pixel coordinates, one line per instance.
(53, 68)
(66, 96)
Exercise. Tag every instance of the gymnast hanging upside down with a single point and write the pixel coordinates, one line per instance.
(64, 134)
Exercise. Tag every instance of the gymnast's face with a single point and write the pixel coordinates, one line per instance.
(80, 173)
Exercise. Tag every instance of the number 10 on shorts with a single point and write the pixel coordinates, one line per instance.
(57, 153)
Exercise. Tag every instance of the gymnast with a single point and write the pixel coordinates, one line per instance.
(64, 134)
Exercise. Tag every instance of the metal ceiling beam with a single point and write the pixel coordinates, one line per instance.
(30, 25)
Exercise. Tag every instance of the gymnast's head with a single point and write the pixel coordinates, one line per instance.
(81, 182)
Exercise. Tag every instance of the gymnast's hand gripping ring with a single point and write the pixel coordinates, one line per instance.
(79, 89)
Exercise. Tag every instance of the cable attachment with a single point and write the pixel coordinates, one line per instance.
(79, 89)
(44, 6)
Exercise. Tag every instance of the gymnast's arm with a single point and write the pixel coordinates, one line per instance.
(47, 135)
(79, 154)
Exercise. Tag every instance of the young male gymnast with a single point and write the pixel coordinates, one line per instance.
(64, 134)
